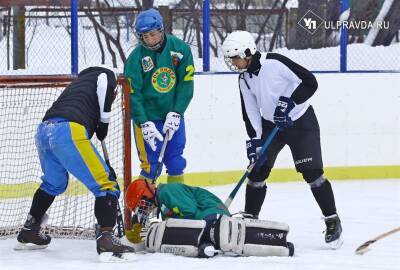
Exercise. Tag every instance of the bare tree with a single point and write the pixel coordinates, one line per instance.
(262, 27)
(386, 36)
(332, 15)
(147, 4)
(241, 20)
(278, 28)
(225, 23)
(192, 23)
(97, 17)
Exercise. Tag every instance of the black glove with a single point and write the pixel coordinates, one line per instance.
(282, 110)
(113, 175)
(253, 146)
(101, 131)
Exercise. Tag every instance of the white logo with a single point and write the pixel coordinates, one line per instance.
(311, 25)
(283, 105)
(310, 22)
(304, 160)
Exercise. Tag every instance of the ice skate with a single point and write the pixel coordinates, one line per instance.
(31, 235)
(333, 231)
(111, 249)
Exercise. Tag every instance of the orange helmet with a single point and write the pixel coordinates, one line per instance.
(136, 191)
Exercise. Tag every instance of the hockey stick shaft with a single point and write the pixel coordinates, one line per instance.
(264, 148)
(120, 221)
(160, 158)
(156, 174)
(364, 247)
(157, 171)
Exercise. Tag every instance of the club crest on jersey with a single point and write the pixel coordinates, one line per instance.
(147, 63)
(163, 79)
(176, 58)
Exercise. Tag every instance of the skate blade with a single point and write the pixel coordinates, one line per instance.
(109, 257)
(336, 244)
(139, 247)
(28, 246)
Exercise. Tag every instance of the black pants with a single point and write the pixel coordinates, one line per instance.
(303, 138)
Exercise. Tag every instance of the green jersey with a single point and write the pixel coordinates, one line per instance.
(178, 200)
(161, 81)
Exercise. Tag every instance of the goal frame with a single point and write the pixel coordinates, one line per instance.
(60, 81)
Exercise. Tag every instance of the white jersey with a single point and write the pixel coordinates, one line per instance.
(269, 77)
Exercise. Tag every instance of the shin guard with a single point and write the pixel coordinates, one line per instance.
(176, 236)
(251, 237)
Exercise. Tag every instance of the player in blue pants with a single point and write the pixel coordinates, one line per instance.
(173, 159)
(64, 146)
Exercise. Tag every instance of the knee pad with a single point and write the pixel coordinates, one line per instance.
(176, 236)
(251, 237)
(53, 190)
(175, 165)
(257, 184)
(260, 174)
(311, 176)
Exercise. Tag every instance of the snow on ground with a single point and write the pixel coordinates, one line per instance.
(367, 209)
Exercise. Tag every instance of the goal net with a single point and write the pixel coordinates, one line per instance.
(23, 103)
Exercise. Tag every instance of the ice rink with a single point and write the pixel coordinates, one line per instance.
(367, 209)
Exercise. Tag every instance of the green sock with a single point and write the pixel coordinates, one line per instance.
(175, 179)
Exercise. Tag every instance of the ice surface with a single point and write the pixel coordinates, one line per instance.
(367, 209)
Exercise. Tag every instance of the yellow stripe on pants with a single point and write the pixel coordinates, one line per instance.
(144, 165)
(89, 156)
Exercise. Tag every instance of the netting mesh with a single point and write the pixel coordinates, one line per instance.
(21, 110)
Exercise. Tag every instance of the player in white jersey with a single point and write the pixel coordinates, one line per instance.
(275, 91)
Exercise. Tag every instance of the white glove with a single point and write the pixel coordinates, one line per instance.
(171, 124)
(150, 134)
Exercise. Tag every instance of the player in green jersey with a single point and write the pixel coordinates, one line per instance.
(160, 71)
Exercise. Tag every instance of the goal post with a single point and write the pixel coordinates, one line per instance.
(23, 103)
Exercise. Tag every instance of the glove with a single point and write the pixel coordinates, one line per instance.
(253, 147)
(171, 124)
(101, 131)
(113, 175)
(133, 235)
(282, 110)
(150, 134)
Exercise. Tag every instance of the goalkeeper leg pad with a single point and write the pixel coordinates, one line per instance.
(176, 236)
(251, 237)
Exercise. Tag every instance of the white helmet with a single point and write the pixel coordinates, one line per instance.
(238, 43)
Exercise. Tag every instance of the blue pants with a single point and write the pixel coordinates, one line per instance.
(65, 147)
(173, 158)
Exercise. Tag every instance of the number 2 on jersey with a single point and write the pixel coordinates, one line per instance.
(189, 74)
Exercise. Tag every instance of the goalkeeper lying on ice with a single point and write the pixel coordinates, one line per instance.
(197, 224)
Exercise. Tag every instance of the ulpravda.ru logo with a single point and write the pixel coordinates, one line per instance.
(311, 22)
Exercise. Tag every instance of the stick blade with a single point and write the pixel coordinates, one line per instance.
(361, 251)
(364, 247)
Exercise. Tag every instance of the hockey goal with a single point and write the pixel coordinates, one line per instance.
(24, 101)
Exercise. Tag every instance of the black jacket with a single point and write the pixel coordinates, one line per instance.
(82, 100)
